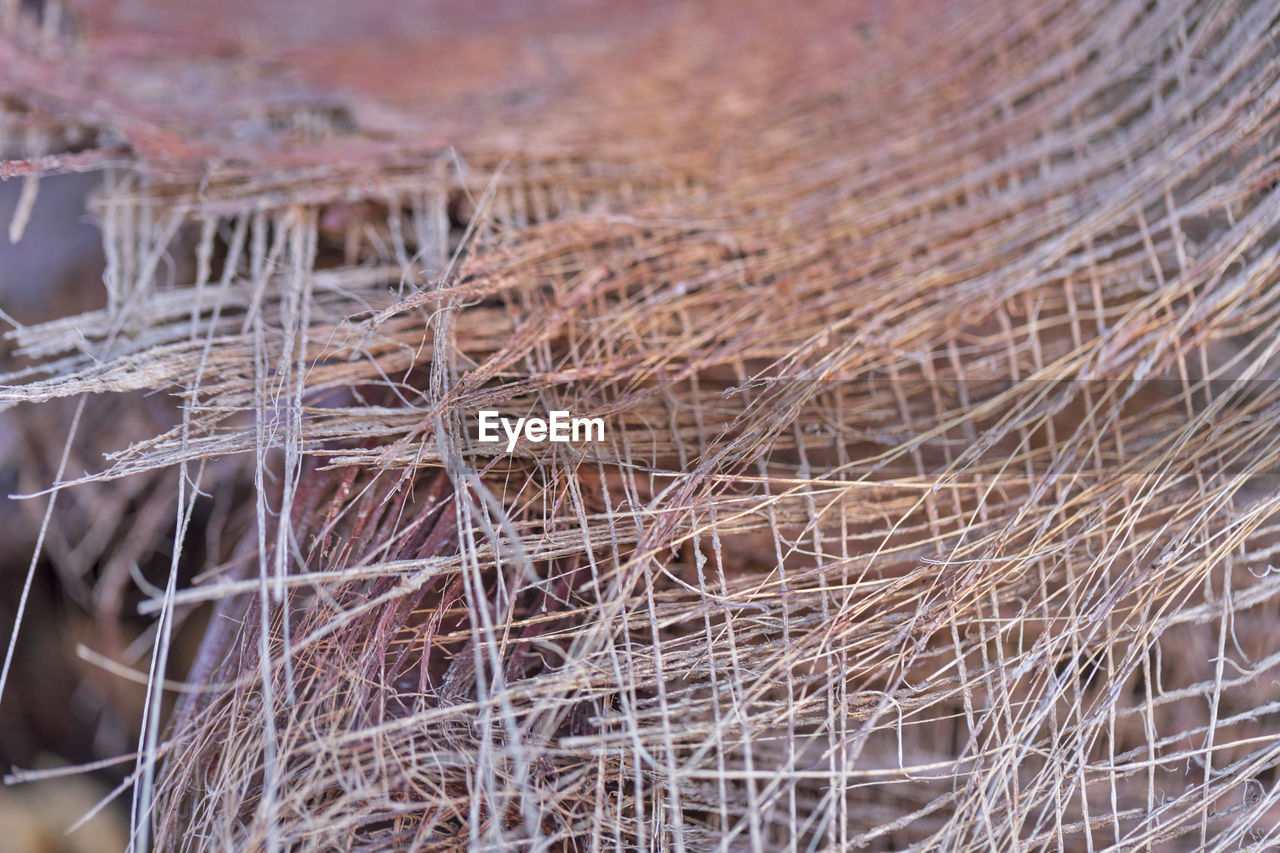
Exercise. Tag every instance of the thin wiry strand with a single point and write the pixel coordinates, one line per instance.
(937, 503)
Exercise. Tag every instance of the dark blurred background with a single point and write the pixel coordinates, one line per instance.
(56, 708)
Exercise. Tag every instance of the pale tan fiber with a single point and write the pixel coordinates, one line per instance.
(937, 507)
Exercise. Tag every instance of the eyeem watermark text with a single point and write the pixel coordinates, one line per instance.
(560, 427)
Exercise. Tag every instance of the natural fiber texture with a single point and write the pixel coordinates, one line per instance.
(936, 506)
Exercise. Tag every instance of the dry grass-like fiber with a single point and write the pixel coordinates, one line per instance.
(936, 508)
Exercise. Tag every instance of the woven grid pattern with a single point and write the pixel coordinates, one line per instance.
(937, 503)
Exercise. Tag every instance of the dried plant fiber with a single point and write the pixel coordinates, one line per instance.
(935, 344)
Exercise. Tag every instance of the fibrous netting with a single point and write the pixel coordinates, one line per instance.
(934, 344)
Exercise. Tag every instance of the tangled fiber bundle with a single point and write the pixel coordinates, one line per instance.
(936, 508)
